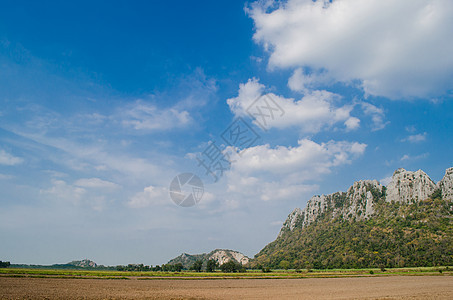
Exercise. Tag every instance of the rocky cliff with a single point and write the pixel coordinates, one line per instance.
(407, 186)
(446, 185)
(359, 201)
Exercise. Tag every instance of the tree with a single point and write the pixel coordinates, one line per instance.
(177, 267)
(211, 265)
(284, 264)
(197, 265)
(4, 264)
(230, 267)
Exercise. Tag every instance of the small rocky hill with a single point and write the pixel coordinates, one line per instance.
(221, 256)
(85, 263)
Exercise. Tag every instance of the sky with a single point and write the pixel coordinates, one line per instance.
(105, 103)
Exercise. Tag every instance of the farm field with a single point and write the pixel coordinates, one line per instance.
(403, 283)
(375, 287)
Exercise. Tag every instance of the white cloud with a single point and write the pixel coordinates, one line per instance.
(377, 115)
(415, 138)
(61, 191)
(406, 157)
(286, 173)
(313, 112)
(151, 195)
(301, 82)
(308, 159)
(396, 49)
(385, 181)
(145, 116)
(352, 123)
(8, 159)
(95, 183)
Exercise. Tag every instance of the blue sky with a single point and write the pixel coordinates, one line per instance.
(104, 103)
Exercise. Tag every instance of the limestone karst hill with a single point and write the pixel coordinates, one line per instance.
(407, 223)
(220, 256)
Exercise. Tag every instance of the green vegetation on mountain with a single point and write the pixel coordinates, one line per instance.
(397, 235)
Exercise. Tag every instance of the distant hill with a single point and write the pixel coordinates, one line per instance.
(221, 256)
(407, 223)
(73, 265)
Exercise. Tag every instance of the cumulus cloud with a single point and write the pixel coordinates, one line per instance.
(352, 123)
(151, 195)
(395, 49)
(9, 159)
(283, 173)
(313, 112)
(309, 159)
(302, 82)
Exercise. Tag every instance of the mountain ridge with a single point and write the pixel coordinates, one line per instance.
(358, 201)
(402, 224)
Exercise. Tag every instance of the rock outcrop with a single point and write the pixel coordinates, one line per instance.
(446, 185)
(224, 256)
(359, 200)
(407, 186)
(221, 256)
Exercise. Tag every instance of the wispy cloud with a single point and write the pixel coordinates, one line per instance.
(5, 176)
(415, 138)
(407, 157)
(377, 115)
(9, 159)
(95, 183)
(145, 116)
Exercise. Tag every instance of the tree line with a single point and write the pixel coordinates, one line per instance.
(198, 266)
(4, 264)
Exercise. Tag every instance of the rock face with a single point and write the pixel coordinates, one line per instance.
(446, 185)
(407, 186)
(358, 201)
(221, 256)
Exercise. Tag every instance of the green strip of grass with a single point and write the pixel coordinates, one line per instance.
(276, 274)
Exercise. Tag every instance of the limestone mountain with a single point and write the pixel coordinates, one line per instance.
(409, 222)
(221, 256)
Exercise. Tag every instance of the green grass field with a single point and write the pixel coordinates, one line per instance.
(250, 274)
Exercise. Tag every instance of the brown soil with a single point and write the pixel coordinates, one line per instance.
(392, 287)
